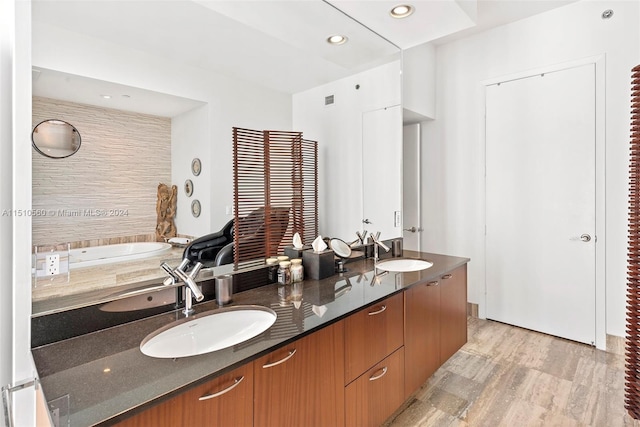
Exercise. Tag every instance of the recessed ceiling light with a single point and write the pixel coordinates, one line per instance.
(126, 96)
(401, 11)
(106, 96)
(337, 39)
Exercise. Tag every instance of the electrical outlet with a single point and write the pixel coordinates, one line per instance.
(52, 264)
(397, 219)
(229, 210)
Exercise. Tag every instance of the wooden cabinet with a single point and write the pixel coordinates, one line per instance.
(376, 394)
(226, 400)
(422, 333)
(301, 384)
(435, 325)
(356, 372)
(372, 334)
(166, 414)
(453, 312)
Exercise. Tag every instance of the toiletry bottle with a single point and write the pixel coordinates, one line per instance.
(297, 270)
(284, 273)
(272, 269)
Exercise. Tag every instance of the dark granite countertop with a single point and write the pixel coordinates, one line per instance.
(105, 375)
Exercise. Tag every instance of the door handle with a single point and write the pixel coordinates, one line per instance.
(412, 229)
(585, 238)
(366, 221)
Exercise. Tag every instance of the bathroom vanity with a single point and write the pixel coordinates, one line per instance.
(355, 348)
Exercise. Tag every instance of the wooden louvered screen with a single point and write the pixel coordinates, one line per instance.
(275, 191)
(632, 351)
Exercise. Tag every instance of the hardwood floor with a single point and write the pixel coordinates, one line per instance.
(512, 377)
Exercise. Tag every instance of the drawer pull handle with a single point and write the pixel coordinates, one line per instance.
(434, 283)
(447, 276)
(377, 377)
(226, 390)
(373, 313)
(289, 356)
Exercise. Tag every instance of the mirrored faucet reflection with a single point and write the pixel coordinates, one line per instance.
(179, 274)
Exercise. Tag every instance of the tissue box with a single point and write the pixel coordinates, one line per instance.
(292, 252)
(318, 265)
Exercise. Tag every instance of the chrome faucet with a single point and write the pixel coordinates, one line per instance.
(375, 238)
(192, 290)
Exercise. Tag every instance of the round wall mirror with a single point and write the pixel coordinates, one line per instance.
(56, 139)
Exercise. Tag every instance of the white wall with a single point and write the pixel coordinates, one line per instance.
(16, 363)
(453, 156)
(418, 82)
(230, 102)
(7, 34)
(191, 126)
(338, 130)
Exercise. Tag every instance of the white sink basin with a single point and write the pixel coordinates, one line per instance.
(208, 331)
(403, 265)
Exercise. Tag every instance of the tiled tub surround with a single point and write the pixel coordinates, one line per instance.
(105, 374)
(89, 284)
(109, 187)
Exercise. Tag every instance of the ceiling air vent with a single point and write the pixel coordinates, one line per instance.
(328, 100)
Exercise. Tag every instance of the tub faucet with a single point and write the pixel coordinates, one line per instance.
(375, 238)
(191, 287)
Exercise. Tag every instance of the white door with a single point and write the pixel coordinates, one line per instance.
(411, 224)
(382, 171)
(540, 183)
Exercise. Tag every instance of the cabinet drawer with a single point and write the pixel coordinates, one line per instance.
(374, 396)
(372, 334)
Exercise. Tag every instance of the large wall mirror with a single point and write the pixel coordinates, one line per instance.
(212, 65)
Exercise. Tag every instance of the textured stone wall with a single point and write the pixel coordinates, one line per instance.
(107, 190)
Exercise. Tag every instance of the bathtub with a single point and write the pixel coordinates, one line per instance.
(97, 255)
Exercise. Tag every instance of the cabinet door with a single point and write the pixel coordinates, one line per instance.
(224, 401)
(301, 384)
(166, 414)
(422, 334)
(375, 395)
(372, 334)
(453, 311)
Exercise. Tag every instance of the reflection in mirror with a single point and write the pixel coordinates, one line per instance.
(198, 91)
(56, 139)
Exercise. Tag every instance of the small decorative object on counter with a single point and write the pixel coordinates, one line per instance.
(284, 273)
(297, 270)
(396, 247)
(318, 265)
(272, 269)
(224, 289)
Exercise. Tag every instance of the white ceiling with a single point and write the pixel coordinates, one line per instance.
(277, 44)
